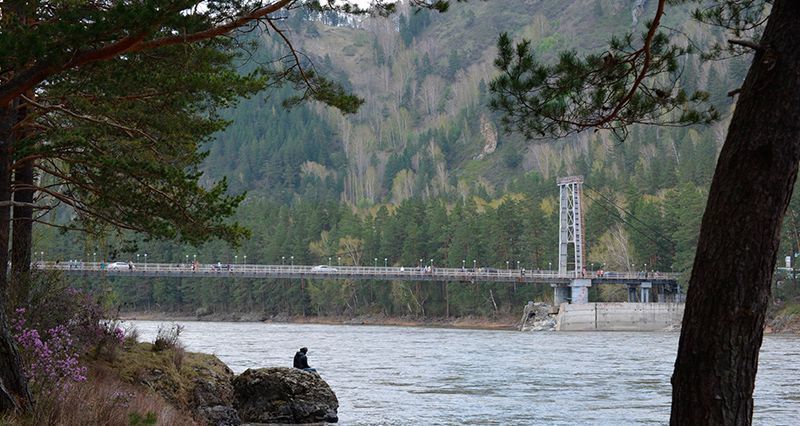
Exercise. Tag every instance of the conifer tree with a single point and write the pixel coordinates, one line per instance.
(634, 81)
(55, 58)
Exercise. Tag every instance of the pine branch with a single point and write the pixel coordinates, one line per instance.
(30, 77)
(130, 131)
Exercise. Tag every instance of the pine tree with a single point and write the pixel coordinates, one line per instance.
(631, 82)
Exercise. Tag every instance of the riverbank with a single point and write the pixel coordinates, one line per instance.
(507, 322)
(784, 321)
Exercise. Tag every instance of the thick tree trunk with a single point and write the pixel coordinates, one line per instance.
(14, 394)
(22, 223)
(730, 285)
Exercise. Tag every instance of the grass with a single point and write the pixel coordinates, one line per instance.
(791, 309)
(167, 372)
(104, 399)
(139, 386)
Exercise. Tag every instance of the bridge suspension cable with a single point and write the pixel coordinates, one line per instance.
(655, 236)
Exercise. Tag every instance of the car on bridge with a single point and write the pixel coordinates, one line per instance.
(323, 268)
(119, 266)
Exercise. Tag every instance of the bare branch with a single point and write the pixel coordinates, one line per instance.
(293, 52)
(11, 203)
(746, 43)
(213, 32)
(60, 226)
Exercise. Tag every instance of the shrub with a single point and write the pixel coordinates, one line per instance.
(178, 354)
(55, 325)
(512, 159)
(131, 336)
(50, 302)
(791, 309)
(167, 337)
(112, 336)
(136, 419)
(51, 357)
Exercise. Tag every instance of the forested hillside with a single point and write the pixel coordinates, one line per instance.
(424, 172)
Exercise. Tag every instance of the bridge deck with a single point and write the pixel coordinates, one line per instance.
(390, 273)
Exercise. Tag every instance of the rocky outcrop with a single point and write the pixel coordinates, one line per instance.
(784, 323)
(489, 134)
(537, 317)
(284, 395)
(212, 396)
(196, 383)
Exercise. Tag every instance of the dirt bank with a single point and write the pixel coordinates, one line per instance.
(783, 317)
(780, 321)
(498, 323)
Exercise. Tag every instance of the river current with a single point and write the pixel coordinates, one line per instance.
(435, 376)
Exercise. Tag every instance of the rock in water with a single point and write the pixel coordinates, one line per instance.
(284, 395)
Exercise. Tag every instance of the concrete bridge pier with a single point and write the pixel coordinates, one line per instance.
(644, 288)
(633, 297)
(576, 292)
(580, 290)
(560, 294)
(639, 293)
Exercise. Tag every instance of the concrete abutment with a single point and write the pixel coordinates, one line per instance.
(619, 316)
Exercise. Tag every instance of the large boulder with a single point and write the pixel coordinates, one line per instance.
(212, 395)
(284, 395)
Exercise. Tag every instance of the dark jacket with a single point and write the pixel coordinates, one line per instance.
(300, 360)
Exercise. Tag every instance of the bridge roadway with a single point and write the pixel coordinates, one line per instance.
(391, 273)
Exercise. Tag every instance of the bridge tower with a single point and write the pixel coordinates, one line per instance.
(571, 226)
(571, 236)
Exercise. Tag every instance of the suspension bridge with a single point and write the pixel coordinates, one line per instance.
(570, 282)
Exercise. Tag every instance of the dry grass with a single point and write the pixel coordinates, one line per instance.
(124, 390)
(131, 335)
(168, 337)
(178, 355)
(103, 400)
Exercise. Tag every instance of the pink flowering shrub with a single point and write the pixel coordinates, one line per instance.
(58, 327)
(51, 358)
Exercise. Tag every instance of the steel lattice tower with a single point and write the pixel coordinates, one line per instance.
(570, 225)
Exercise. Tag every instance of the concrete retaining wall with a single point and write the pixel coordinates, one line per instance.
(619, 316)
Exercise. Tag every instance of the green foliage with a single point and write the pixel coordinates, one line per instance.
(123, 143)
(136, 419)
(322, 89)
(742, 18)
(413, 25)
(512, 159)
(128, 104)
(613, 90)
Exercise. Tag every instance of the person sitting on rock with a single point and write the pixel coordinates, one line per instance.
(301, 361)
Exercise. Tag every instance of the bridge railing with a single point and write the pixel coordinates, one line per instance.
(322, 271)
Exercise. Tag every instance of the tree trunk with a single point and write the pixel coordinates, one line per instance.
(14, 394)
(22, 223)
(731, 279)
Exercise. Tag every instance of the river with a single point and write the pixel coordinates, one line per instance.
(436, 376)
